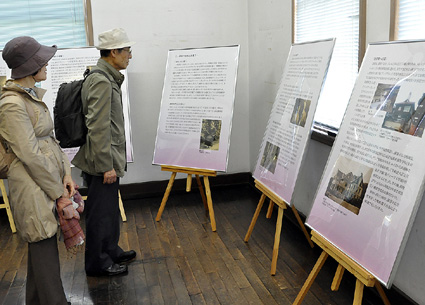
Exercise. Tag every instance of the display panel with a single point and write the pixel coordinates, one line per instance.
(197, 108)
(289, 125)
(373, 181)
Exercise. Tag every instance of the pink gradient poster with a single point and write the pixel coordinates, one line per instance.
(373, 181)
(197, 107)
(291, 118)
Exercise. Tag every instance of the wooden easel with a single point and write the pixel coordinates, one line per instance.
(123, 216)
(6, 205)
(282, 206)
(206, 197)
(345, 263)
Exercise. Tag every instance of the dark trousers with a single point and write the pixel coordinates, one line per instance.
(102, 224)
(44, 284)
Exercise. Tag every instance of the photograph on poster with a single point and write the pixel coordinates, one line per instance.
(348, 184)
(300, 112)
(404, 114)
(416, 124)
(210, 134)
(384, 97)
(270, 157)
(406, 117)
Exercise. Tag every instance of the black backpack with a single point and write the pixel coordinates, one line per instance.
(70, 122)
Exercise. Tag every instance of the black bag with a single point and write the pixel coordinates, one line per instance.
(70, 121)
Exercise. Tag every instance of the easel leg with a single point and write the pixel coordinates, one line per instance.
(312, 276)
(124, 218)
(188, 182)
(276, 241)
(201, 190)
(358, 293)
(302, 226)
(210, 204)
(254, 218)
(270, 209)
(337, 278)
(6, 205)
(382, 293)
(166, 194)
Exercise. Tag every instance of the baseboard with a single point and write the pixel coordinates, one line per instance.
(157, 188)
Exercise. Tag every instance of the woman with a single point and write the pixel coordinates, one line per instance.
(40, 173)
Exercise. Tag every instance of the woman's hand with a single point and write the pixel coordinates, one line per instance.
(68, 186)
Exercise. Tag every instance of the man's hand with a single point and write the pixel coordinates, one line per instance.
(109, 177)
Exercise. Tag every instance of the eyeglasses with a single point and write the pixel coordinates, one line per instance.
(127, 50)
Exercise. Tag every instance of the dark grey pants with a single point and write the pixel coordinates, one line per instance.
(44, 284)
(102, 224)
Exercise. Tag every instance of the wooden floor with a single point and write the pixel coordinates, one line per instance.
(181, 261)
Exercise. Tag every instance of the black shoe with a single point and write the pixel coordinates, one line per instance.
(126, 256)
(114, 269)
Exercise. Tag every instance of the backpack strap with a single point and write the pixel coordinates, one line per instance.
(88, 72)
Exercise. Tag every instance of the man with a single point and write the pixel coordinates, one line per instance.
(102, 158)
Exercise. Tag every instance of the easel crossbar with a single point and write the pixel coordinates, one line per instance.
(283, 205)
(206, 197)
(349, 264)
(363, 277)
(190, 171)
(266, 191)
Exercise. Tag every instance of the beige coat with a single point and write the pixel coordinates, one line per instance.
(35, 176)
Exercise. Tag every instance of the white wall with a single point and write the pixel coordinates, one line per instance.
(269, 43)
(158, 26)
(263, 29)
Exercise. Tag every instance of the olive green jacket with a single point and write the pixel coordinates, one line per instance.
(105, 147)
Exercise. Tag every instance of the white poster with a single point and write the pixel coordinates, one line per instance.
(68, 65)
(373, 181)
(197, 108)
(291, 118)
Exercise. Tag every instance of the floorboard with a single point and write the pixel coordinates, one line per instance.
(181, 261)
